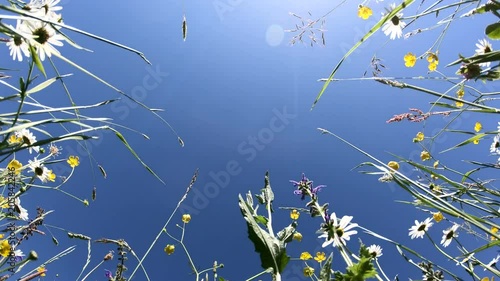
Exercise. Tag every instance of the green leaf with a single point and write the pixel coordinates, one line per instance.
(286, 234)
(376, 27)
(469, 140)
(272, 251)
(44, 84)
(37, 61)
(466, 175)
(493, 31)
(326, 270)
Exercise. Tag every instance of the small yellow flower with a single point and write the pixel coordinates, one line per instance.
(420, 137)
(320, 256)
(13, 139)
(294, 214)
(305, 256)
(434, 177)
(364, 12)
(1, 236)
(425, 155)
(494, 230)
(433, 66)
(393, 165)
(476, 141)
(186, 218)
(435, 165)
(478, 127)
(459, 104)
(41, 269)
(73, 161)
(15, 166)
(5, 248)
(169, 249)
(433, 58)
(308, 271)
(437, 216)
(51, 176)
(410, 60)
(460, 93)
(86, 202)
(297, 236)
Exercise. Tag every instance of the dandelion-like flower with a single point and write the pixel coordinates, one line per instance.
(364, 12)
(73, 161)
(297, 236)
(420, 137)
(425, 155)
(448, 235)
(394, 26)
(305, 256)
(410, 60)
(419, 229)
(308, 271)
(320, 256)
(437, 216)
(375, 251)
(294, 214)
(5, 248)
(433, 60)
(186, 218)
(337, 232)
(169, 249)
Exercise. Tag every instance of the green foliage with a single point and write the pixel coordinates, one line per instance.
(493, 31)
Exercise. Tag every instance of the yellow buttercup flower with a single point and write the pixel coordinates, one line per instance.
(4, 206)
(51, 176)
(420, 137)
(393, 165)
(364, 12)
(410, 60)
(294, 214)
(73, 161)
(494, 230)
(169, 249)
(297, 236)
(476, 141)
(13, 139)
(478, 127)
(320, 256)
(460, 93)
(186, 218)
(437, 216)
(433, 66)
(459, 104)
(435, 165)
(305, 256)
(425, 155)
(308, 271)
(433, 58)
(5, 248)
(41, 269)
(15, 166)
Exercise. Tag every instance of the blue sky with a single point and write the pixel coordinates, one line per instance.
(224, 87)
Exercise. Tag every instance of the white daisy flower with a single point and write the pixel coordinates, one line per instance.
(45, 36)
(419, 229)
(495, 145)
(45, 9)
(39, 169)
(23, 213)
(19, 255)
(394, 26)
(341, 231)
(18, 44)
(375, 250)
(28, 139)
(492, 263)
(448, 235)
(483, 47)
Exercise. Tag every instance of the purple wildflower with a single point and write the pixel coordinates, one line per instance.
(108, 274)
